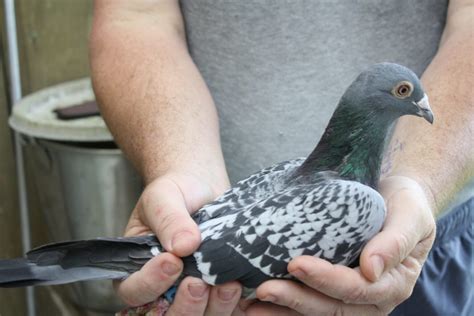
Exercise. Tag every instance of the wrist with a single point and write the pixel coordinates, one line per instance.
(213, 181)
(413, 181)
(216, 181)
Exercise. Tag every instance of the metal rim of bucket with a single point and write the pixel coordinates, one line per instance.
(33, 115)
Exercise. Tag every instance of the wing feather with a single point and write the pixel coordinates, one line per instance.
(331, 219)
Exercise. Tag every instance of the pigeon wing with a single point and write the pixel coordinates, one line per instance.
(332, 219)
(257, 187)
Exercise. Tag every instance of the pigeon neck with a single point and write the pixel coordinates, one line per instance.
(352, 145)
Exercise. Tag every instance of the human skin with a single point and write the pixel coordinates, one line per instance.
(163, 117)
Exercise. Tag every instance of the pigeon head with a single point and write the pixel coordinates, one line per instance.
(355, 138)
(390, 91)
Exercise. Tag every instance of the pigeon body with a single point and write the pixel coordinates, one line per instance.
(325, 205)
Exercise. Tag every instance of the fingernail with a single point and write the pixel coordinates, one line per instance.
(377, 266)
(269, 298)
(298, 273)
(226, 294)
(197, 290)
(169, 268)
(181, 240)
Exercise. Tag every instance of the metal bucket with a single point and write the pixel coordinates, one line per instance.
(85, 191)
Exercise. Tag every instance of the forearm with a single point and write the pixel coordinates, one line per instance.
(441, 157)
(151, 94)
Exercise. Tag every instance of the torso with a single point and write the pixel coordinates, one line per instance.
(276, 69)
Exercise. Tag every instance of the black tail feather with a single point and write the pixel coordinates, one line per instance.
(21, 272)
(66, 262)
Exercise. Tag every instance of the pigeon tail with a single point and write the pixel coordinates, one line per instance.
(66, 262)
(22, 272)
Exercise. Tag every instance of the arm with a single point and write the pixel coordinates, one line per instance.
(161, 114)
(431, 164)
(441, 157)
(149, 88)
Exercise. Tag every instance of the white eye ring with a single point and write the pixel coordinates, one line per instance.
(402, 90)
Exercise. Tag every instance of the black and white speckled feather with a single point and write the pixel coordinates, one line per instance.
(330, 218)
(254, 188)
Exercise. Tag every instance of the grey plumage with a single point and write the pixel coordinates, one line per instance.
(325, 205)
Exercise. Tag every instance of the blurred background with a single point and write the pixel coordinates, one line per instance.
(52, 43)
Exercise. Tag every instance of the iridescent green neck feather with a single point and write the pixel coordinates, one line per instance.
(352, 145)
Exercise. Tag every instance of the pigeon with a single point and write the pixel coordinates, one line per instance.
(325, 205)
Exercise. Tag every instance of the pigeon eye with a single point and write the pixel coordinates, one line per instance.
(402, 90)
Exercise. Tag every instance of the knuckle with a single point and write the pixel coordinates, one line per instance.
(295, 304)
(319, 282)
(402, 242)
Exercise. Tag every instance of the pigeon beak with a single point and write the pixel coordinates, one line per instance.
(424, 109)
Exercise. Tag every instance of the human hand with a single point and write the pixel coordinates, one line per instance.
(164, 209)
(389, 265)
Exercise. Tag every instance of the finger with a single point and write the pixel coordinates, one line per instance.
(306, 301)
(336, 281)
(351, 287)
(163, 209)
(422, 249)
(223, 299)
(408, 222)
(191, 298)
(153, 279)
(269, 309)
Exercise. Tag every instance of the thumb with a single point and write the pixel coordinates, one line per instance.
(162, 207)
(409, 221)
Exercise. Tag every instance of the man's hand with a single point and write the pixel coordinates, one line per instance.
(389, 265)
(165, 208)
